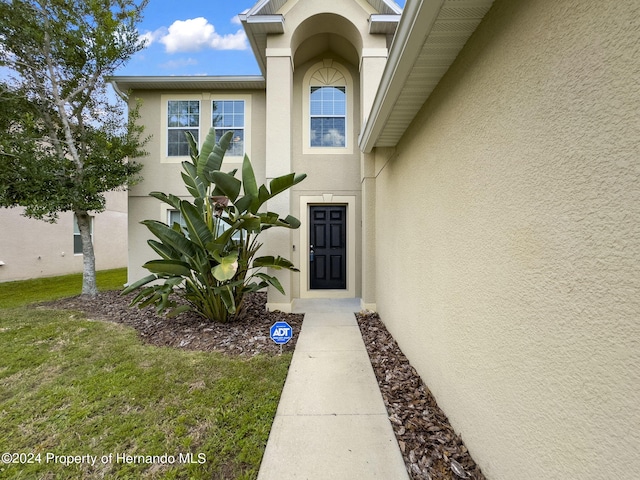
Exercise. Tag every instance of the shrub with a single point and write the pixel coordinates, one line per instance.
(210, 260)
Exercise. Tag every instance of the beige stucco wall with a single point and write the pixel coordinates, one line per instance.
(332, 33)
(508, 241)
(33, 248)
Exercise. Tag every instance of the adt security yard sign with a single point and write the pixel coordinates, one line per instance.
(281, 332)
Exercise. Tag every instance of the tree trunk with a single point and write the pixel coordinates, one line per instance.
(89, 286)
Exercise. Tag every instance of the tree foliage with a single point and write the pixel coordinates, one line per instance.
(63, 142)
(210, 261)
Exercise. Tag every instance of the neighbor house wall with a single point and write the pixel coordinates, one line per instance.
(508, 241)
(33, 248)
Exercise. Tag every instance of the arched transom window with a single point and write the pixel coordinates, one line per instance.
(328, 108)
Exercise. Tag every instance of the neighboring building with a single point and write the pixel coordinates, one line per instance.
(481, 180)
(33, 248)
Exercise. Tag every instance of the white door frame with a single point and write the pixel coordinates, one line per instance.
(328, 198)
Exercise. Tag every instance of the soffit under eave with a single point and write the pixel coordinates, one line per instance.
(455, 23)
(186, 83)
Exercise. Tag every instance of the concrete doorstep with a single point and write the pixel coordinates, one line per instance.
(331, 421)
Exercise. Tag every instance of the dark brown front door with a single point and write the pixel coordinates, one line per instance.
(328, 247)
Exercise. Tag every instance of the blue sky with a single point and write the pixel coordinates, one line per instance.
(194, 37)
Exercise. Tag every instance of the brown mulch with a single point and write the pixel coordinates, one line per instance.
(189, 331)
(429, 445)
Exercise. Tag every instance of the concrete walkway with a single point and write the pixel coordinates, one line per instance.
(331, 422)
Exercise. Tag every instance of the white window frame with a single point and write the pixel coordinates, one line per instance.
(234, 127)
(327, 73)
(181, 128)
(334, 115)
(76, 233)
(164, 124)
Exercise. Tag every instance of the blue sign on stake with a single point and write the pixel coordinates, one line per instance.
(281, 332)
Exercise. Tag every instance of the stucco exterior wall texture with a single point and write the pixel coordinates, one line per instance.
(514, 287)
(32, 248)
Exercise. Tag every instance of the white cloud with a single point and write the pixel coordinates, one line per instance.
(333, 138)
(197, 33)
(184, 62)
(151, 37)
(236, 20)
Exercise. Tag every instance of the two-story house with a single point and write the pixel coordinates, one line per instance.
(473, 175)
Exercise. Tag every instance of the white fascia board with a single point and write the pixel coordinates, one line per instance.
(244, 19)
(275, 22)
(191, 82)
(383, 23)
(259, 26)
(415, 26)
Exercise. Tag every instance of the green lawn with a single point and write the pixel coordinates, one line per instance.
(24, 292)
(74, 387)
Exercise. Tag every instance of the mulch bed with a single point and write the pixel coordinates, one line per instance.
(188, 331)
(429, 445)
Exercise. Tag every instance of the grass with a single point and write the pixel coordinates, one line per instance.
(24, 292)
(74, 387)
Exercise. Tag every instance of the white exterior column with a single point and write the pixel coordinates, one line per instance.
(371, 67)
(278, 162)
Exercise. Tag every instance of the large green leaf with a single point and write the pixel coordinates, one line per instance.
(178, 310)
(190, 168)
(227, 184)
(220, 243)
(269, 218)
(274, 262)
(168, 267)
(280, 184)
(165, 251)
(250, 223)
(243, 204)
(193, 145)
(249, 178)
(272, 281)
(174, 239)
(227, 267)
(291, 222)
(226, 294)
(140, 283)
(170, 199)
(207, 146)
(199, 232)
(211, 158)
(263, 195)
(195, 186)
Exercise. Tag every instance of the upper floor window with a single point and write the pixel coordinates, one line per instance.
(182, 116)
(328, 112)
(327, 109)
(230, 115)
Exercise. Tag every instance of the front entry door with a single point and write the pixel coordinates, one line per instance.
(328, 247)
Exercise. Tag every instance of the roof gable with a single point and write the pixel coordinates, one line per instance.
(266, 17)
(272, 7)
